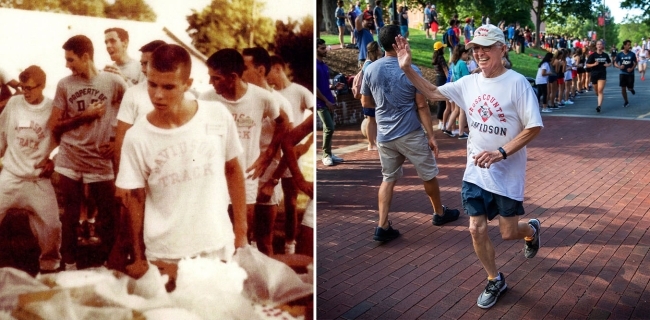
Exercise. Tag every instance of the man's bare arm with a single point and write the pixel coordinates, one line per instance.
(120, 131)
(486, 158)
(237, 192)
(59, 126)
(425, 120)
(133, 201)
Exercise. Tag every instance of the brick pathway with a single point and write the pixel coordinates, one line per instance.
(588, 182)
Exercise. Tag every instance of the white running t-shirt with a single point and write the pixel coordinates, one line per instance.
(497, 109)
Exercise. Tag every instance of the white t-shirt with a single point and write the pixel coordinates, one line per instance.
(301, 100)
(132, 71)
(539, 79)
(497, 109)
(268, 128)
(249, 111)
(183, 173)
(136, 103)
(568, 75)
(24, 136)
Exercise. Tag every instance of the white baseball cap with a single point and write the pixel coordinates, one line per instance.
(487, 35)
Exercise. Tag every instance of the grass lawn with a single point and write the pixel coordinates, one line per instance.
(422, 49)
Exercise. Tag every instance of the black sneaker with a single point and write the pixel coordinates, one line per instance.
(384, 235)
(633, 92)
(626, 104)
(449, 133)
(598, 109)
(463, 136)
(449, 215)
(492, 292)
(553, 107)
(531, 247)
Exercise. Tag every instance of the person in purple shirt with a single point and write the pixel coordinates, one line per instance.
(325, 102)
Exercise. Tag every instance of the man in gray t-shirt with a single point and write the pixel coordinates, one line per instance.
(83, 115)
(399, 133)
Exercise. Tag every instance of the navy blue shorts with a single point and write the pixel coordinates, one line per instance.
(370, 112)
(478, 202)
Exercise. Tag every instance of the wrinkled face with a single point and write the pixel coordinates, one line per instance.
(114, 46)
(33, 91)
(166, 89)
(75, 63)
(144, 61)
(489, 57)
(223, 84)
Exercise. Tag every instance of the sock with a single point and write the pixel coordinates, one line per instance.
(81, 222)
(533, 236)
(91, 220)
(498, 277)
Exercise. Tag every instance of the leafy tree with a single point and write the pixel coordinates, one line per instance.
(121, 9)
(230, 24)
(559, 10)
(130, 10)
(294, 42)
(633, 29)
(644, 5)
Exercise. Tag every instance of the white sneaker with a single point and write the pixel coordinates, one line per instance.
(328, 161)
(568, 102)
(337, 159)
(440, 127)
(546, 110)
(290, 248)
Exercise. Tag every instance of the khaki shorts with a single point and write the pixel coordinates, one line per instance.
(84, 177)
(415, 148)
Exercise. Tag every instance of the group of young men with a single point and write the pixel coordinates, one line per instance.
(169, 175)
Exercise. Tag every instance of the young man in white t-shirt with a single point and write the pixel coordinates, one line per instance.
(179, 166)
(25, 182)
(83, 119)
(117, 41)
(503, 114)
(258, 64)
(302, 106)
(249, 105)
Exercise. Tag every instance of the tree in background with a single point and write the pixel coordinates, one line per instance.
(643, 5)
(130, 10)
(122, 9)
(294, 42)
(557, 11)
(230, 24)
(633, 29)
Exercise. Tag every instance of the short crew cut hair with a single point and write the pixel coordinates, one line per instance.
(121, 33)
(260, 58)
(277, 60)
(79, 45)
(227, 61)
(152, 46)
(33, 72)
(171, 57)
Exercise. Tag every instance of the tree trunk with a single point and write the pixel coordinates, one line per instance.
(327, 23)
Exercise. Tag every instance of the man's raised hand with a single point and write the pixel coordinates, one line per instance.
(403, 51)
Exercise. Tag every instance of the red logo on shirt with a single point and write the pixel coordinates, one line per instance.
(484, 104)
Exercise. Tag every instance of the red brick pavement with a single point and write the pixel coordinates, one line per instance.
(588, 182)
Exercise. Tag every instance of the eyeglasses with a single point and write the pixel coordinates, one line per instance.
(485, 49)
(26, 88)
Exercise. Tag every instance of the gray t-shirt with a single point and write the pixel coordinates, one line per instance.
(394, 94)
(80, 148)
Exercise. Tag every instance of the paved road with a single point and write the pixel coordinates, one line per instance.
(588, 181)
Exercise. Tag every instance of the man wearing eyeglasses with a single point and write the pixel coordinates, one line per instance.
(503, 115)
(25, 179)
